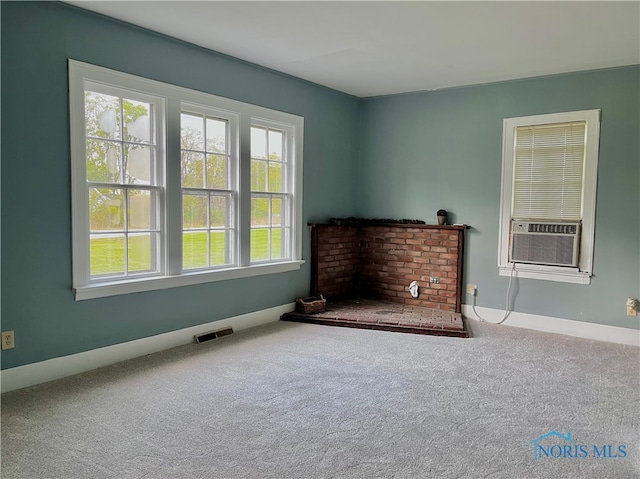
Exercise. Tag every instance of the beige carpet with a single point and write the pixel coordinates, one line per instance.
(292, 400)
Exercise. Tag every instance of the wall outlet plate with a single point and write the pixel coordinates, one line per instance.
(8, 340)
(471, 289)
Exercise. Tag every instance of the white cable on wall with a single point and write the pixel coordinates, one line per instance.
(506, 310)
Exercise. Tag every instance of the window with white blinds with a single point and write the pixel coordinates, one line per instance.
(549, 169)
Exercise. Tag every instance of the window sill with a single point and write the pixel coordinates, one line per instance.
(114, 288)
(547, 273)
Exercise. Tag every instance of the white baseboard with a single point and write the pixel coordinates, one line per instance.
(579, 329)
(40, 372)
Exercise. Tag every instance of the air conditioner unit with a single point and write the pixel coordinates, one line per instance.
(555, 244)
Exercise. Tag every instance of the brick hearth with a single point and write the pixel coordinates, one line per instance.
(387, 316)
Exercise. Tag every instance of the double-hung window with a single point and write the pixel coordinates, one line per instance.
(208, 176)
(271, 198)
(549, 170)
(124, 175)
(172, 187)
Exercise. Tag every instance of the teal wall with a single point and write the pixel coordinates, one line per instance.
(37, 39)
(398, 156)
(443, 149)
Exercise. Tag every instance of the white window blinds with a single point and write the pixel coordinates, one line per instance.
(548, 171)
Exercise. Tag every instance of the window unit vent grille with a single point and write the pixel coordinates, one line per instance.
(552, 228)
(553, 244)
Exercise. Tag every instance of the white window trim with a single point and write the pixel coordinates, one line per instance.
(582, 274)
(289, 133)
(113, 288)
(174, 97)
(234, 120)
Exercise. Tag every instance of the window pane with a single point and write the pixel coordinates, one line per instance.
(194, 211)
(106, 209)
(277, 245)
(219, 211)
(258, 175)
(260, 211)
(216, 135)
(217, 172)
(259, 244)
(138, 164)
(219, 248)
(102, 115)
(142, 207)
(137, 121)
(103, 161)
(275, 145)
(106, 254)
(192, 170)
(191, 132)
(140, 252)
(277, 212)
(275, 177)
(258, 142)
(194, 249)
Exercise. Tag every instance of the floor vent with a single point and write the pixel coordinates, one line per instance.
(201, 338)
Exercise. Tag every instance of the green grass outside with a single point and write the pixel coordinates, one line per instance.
(107, 254)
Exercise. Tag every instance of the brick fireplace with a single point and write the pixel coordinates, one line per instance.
(380, 261)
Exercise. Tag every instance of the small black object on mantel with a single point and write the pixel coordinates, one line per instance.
(442, 217)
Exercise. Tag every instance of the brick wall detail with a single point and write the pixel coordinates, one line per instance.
(335, 260)
(381, 262)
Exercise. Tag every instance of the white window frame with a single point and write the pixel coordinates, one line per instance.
(171, 274)
(233, 120)
(582, 274)
(83, 243)
(288, 183)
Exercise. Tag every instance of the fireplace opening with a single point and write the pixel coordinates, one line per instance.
(365, 270)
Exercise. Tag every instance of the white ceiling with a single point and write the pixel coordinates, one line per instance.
(386, 47)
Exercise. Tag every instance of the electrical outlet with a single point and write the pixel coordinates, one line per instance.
(471, 289)
(434, 280)
(632, 307)
(7, 340)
